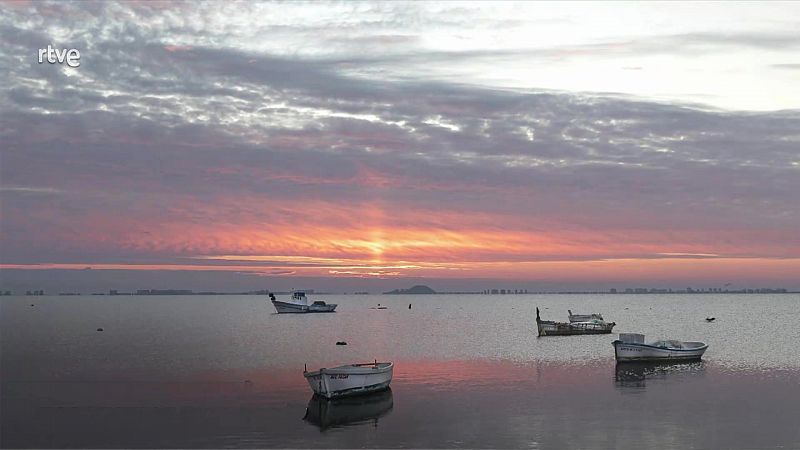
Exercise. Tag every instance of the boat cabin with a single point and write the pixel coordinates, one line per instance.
(299, 296)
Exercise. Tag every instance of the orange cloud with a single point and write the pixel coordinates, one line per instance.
(369, 239)
(624, 270)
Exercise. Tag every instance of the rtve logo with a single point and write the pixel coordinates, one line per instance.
(72, 56)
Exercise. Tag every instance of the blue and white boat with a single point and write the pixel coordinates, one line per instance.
(299, 304)
(631, 347)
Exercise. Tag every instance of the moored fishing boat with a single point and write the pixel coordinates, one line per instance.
(552, 328)
(631, 347)
(350, 379)
(299, 304)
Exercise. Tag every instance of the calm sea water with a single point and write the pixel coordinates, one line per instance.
(225, 371)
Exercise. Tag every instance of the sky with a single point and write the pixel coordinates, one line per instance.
(237, 145)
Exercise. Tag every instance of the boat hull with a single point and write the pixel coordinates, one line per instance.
(286, 307)
(625, 351)
(322, 308)
(349, 380)
(296, 308)
(547, 328)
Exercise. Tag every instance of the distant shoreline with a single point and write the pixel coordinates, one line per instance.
(262, 293)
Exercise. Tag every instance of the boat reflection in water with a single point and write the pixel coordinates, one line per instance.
(348, 411)
(635, 374)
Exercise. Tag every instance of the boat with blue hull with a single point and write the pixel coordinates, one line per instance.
(631, 347)
(299, 304)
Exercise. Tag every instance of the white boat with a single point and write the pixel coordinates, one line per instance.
(350, 379)
(584, 317)
(631, 347)
(299, 304)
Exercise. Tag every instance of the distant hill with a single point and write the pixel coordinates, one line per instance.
(418, 289)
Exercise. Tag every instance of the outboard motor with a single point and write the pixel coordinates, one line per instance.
(272, 296)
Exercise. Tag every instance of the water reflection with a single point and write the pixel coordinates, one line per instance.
(636, 374)
(348, 411)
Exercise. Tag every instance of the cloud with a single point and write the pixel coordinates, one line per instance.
(29, 190)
